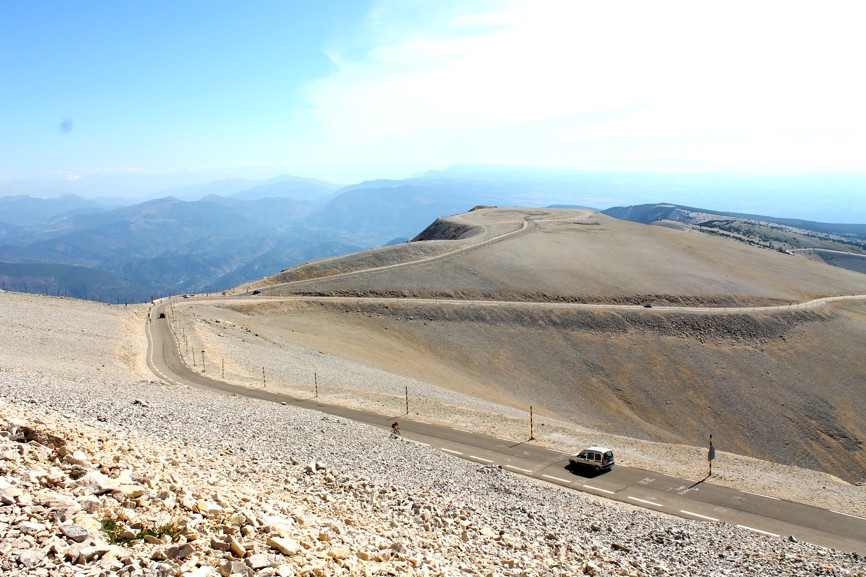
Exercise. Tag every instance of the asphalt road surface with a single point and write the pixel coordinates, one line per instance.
(699, 500)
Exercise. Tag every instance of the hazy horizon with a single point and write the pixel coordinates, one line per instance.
(346, 91)
(831, 198)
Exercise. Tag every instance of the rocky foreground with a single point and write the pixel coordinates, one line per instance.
(133, 477)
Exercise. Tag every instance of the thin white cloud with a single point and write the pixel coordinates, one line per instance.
(628, 85)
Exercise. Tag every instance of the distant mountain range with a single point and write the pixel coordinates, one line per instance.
(210, 237)
(842, 245)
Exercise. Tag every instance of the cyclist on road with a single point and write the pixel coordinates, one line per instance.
(395, 429)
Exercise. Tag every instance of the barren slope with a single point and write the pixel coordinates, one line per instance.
(786, 386)
(584, 256)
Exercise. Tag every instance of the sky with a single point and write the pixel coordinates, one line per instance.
(352, 90)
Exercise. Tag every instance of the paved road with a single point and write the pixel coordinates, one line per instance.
(700, 500)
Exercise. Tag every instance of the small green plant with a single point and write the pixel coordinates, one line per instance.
(172, 529)
(110, 527)
(113, 527)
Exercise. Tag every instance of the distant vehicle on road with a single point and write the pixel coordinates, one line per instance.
(257, 292)
(162, 315)
(599, 458)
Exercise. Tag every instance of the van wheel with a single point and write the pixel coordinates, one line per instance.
(597, 469)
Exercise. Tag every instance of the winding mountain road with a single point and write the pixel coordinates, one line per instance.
(693, 499)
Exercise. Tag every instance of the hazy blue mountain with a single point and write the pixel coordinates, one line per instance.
(379, 214)
(137, 231)
(493, 185)
(67, 280)
(130, 187)
(225, 187)
(247, 189)
(282, 256)
(378, 183)
(12, 234)
(271, 211)
(382, 210)
(649, 213)
(169, 246)
(23, 211)
(294, 187)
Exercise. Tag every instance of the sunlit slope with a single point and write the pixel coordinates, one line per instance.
(585, 256)
(785, 385)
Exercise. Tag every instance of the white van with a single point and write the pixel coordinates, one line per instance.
(599, 458)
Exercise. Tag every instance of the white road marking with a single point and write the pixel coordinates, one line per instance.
(764, 496)
(599, 489)
(527, 471)
(645, 501)
(767, 533)
(848, 515)
(153, 363)
(483, 460)
(452, 452)
(556, 479)
(704, 517)
(422, 444)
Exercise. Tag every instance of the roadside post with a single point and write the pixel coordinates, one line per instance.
(711, 454)
(203, 368)
(531, 435)
(316, 382)
(407, 399)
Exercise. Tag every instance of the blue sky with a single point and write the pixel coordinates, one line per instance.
(350, 90)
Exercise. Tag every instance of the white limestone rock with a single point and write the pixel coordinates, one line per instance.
(260, 561)
(97, 483)
(284, 545)
(74, 532)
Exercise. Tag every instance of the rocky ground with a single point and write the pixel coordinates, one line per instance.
(105, 471)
